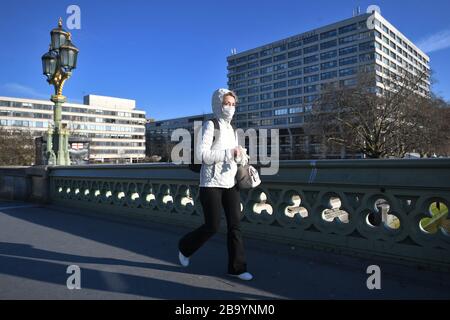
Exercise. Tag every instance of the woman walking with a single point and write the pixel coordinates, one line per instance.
(218, 187)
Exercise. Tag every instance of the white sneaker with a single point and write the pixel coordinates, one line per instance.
(183, 260)
(243, 276)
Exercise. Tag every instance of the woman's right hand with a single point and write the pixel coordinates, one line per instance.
(240, 155)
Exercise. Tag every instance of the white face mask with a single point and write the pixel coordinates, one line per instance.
(228, 112)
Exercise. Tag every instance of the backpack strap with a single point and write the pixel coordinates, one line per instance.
(217, 127)
(216, 123)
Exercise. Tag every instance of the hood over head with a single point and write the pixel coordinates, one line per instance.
(217, 100)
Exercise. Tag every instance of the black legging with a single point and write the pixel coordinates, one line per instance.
(212, 200)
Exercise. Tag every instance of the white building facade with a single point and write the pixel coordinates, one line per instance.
(115, 127)
(278, 83)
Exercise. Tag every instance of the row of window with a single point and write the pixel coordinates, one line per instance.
(398, 49)
(115, 135)
(306, 89)
(24, 123)
(263, 62)
(329, 34)
(333, 53)
(307, 60)
(307, 79)
(35, 106)
(266, 116)
(79, 126)
(115, 151)
(399, 59)
(11, 113)
(399, 40)
(15, 104)
(404, 67)
(271, 122)
(407, 51)
(252, 116)
(291, 92)
(255, 104)
(44, 124)
(99, 120)
(116, 144)
(297, 43)
(252, 100)
(271, 113)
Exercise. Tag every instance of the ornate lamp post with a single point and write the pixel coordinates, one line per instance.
(57, 65)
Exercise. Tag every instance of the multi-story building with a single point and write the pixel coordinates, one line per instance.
(278, 83)
(158, 133)
(114, 127)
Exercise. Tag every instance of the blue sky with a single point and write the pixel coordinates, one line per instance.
(171, 55)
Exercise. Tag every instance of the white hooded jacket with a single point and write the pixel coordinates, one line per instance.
(218, 164)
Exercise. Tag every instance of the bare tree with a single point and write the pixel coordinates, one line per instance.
(380, 122)
(436, 128)
(17, 147)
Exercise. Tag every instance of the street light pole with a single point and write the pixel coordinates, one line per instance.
(57, 65)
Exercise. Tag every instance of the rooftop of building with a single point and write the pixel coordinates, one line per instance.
(93, 101)
(323, 29)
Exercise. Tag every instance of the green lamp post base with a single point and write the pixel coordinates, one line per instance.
(58, 136)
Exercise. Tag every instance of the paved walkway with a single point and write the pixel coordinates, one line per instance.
(124, 261)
